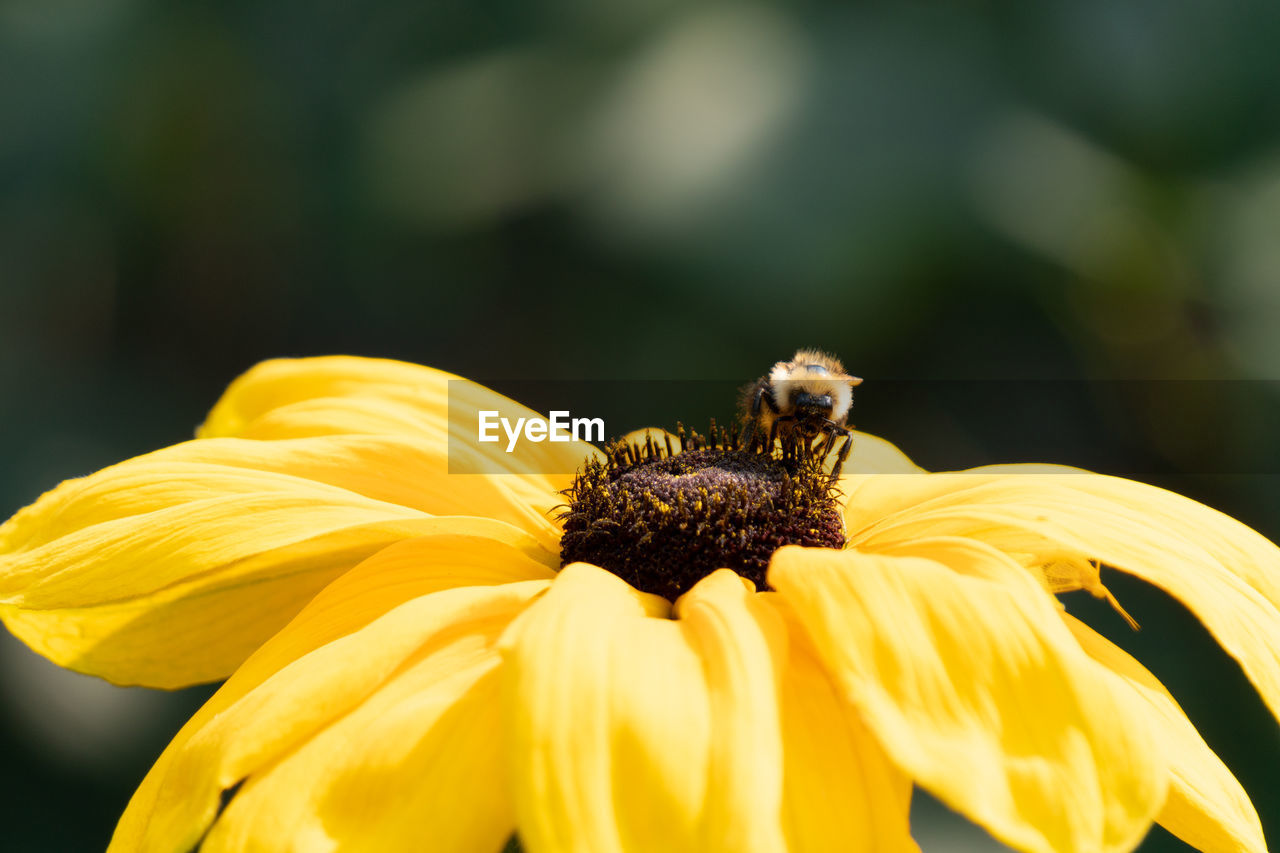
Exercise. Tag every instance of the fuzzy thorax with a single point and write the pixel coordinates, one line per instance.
(817, 374)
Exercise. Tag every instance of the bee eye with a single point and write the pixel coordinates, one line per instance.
(805, 400)
(816, 369)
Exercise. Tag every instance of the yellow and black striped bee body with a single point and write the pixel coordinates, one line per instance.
(800, 400)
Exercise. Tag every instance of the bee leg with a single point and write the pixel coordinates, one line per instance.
(827, 443)
(844, 454)
(763, 396)
(773, 431)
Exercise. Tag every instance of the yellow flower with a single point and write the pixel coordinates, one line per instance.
(408, 669)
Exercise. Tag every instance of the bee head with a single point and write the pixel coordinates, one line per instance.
(814, 389)
(813, 410)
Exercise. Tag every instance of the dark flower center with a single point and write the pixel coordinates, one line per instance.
(663, 520)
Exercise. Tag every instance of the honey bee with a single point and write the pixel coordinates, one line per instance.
(806, 397)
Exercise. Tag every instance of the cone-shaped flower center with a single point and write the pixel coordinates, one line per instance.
(663, 521)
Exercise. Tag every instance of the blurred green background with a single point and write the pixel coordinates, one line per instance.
(949, 194)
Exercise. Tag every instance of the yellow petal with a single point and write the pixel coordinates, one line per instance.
(398, 574)
(743, 646)
(839, 788)
(1222, 571)
(290, 398)
(1206, 808)
(963, 670)
(632, 731)
(870, 454)
(170, 568)
(418, 766)
(384, 736)
(401, 572)
(404, 471)
(391, 395)
(584, 667)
